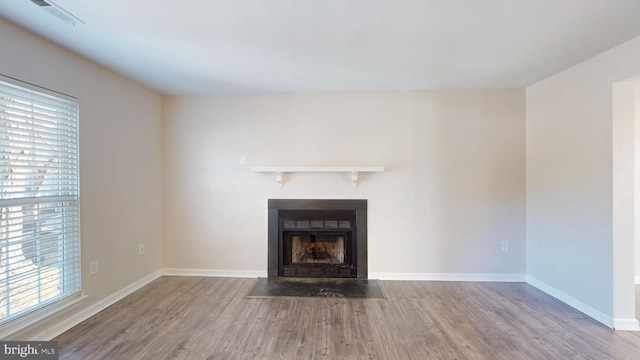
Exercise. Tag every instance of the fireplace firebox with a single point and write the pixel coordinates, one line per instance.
(317, 238)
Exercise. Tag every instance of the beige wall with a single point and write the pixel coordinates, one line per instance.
(637, 182)
(570, 185)
(453, 187)
(120, 160)
(623, 196)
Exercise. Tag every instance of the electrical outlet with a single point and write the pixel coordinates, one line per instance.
(94, 267)
(140, 249)
(243, 160)
(505, 245)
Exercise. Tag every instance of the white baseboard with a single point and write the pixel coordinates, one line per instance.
(379, 276)
(638, 280)
(571, 301)
(84, 314)
(214, 273)
(448, 277)
(626, 324)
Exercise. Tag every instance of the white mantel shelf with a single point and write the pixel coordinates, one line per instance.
(280, 170)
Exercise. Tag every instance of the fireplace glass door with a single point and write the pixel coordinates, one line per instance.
(317, 245)
(315, 248)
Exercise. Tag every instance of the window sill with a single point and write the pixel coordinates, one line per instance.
(15, 328)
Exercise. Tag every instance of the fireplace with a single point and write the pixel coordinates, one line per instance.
(317, 238)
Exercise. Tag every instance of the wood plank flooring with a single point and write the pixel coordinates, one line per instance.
(210, 318)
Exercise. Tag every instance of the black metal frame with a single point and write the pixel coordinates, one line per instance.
(276, 230)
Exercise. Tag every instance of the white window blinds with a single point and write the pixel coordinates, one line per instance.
(39, 215)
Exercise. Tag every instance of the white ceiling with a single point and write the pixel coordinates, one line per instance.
(263, 46)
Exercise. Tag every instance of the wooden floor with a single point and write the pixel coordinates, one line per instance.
(209, 318)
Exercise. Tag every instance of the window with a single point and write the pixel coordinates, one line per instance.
(39, 215)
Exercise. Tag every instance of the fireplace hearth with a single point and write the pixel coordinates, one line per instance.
(317, 238)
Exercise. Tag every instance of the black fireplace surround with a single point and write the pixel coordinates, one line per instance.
(317, 238)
